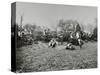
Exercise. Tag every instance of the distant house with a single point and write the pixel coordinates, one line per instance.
(69, 26)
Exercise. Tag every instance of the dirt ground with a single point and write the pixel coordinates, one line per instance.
(39, 57)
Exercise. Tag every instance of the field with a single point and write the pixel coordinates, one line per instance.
(39, 57)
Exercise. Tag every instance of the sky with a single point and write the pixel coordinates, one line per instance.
(50, 14)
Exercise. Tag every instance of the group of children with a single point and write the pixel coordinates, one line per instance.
(53, 43)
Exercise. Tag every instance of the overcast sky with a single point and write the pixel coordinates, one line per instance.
(50, 14)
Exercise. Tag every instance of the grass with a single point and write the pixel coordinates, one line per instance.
(38, 57)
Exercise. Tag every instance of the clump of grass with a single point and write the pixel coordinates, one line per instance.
(36, 58)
